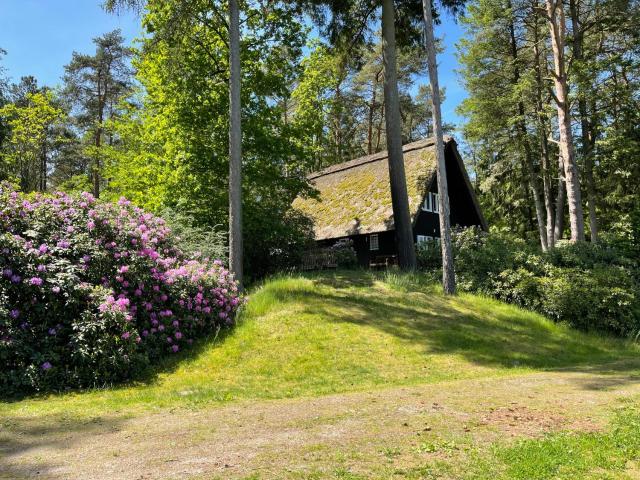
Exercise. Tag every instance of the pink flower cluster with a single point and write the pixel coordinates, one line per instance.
(73, 244)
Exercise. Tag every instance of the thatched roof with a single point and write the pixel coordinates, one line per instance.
(355, 197)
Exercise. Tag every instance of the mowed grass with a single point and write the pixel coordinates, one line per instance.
(340, 332)
(614, 454)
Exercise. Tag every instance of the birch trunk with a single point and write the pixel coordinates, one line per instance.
(448, 273)
(397, 178)
(235, 146)
(557, 28)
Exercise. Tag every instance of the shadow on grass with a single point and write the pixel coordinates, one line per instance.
(482, 331)
(42, 441)
(148, 376)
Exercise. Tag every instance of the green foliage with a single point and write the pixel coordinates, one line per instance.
(173, 138)
(604, 281)
(91, 292)
(195, 241)
(29, 124)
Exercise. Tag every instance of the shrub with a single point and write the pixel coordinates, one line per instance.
(604, 298)
(478, 255)
(275, 240)
(345, 254)
(195, 241)
(92, 292)
(429, 256)
(591, 287)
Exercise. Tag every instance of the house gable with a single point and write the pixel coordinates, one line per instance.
(353, 198)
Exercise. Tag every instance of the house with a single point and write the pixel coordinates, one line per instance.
(354, 200)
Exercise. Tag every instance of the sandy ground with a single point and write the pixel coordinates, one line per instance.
(366, 433)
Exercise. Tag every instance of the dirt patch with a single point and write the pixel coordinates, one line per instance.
(372, 433)
(519, 420)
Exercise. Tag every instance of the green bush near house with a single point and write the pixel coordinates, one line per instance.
(590, 287)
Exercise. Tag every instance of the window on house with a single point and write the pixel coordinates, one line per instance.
(431, 203)
(373, 242)
(426, 206)
(425, 238)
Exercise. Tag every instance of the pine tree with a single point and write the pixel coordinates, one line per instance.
(93, 85)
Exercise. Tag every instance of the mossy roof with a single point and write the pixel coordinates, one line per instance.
(354, 197)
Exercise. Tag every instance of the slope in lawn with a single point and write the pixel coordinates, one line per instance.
(338, 332)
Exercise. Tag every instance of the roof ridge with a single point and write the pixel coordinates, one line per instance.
(339, 167)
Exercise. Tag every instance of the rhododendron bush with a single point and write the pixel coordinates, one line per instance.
(91, 292)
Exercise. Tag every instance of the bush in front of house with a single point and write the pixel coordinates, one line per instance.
(93, 292)
(345, 254)
(591, 287)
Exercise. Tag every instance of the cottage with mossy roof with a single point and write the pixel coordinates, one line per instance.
(353, 201)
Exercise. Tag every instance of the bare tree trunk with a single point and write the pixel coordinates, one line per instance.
(43, 164)
(448, 273)
(557, 28)
(546, 185)
(558, 228)
(398, 181)
(98, 142)
(528, 166)
(235, 146)
(542, 134)
(586, 131)
(372, 110)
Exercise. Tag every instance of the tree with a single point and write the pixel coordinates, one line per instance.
(30, 122)
(397, 177)
(557, 29)
(347, 28)
(94, 84)
(235, 145)
(174, 143)
(448, 274)
(4, 94)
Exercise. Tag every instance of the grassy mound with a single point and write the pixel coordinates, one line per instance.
(339, 332)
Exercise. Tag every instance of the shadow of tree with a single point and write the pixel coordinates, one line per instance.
(486, 333)
(22, 435)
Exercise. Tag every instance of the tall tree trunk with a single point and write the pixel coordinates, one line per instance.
(372, 111)
(370, 122)
(98, 140)
(398, 181)
(558, 227)
(587, 137)
(43, 164)
(448, 273)
(542, 134)
(546, 184)
(235, 146)
(528, 166)
(557, 28)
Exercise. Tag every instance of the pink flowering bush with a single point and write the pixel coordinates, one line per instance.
(92, 292)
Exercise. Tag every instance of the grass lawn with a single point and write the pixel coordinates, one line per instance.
(330, 367)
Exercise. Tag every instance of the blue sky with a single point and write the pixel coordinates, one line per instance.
(40, 35)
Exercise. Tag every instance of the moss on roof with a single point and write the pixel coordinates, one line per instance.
(355, 198)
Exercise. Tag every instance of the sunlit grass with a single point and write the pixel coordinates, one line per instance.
(611, 454)
(345, 331)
